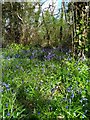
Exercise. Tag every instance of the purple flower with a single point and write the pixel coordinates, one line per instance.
(31, 57)
(53, 90)
(17, 56)
(8, 114)
(6, 85)
(6, 105)
(8, 57)
(38, 113)
(68, 58)
(66, 107)
(69, 89)
(72, 96)
(8, 89)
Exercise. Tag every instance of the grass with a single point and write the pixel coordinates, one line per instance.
(39, 84)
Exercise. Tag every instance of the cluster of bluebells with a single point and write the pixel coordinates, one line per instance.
(41, 53)
(77, 94)
(6, 86)
(72, 92)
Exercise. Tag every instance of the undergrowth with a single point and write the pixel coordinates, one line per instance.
(41, 84)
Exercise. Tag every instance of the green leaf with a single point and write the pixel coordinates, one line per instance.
(80, 36)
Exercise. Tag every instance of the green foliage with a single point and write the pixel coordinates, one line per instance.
(9, 108)
(28, 23)
(24, 24)
(44, 90)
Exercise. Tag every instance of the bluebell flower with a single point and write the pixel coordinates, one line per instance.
(8, 89)
(53, 90)
(69, 58)
(6, 105)
(17, 56)
(8, 57)
(6, 85)
(28, 51)
(72, 96)
(8, 114)
(69, 89)
(38, 113)
(66, 107)
(31, 57)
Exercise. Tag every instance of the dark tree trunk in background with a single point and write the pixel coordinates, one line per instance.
(79, 27)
